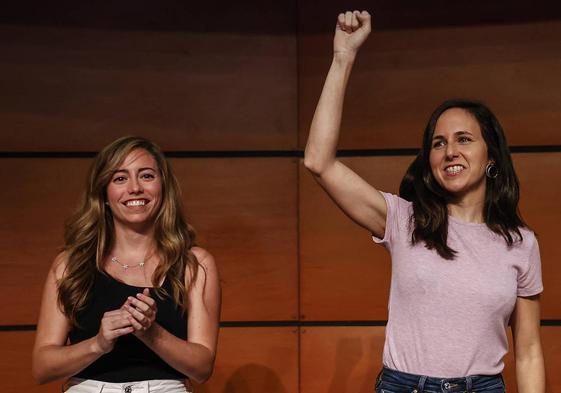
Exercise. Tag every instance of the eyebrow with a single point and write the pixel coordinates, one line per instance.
(139, 170)
(457, 133)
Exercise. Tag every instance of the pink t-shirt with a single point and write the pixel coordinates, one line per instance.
(448, 318)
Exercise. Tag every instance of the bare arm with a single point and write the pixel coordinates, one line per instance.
(52, 358)
(194, 357)
(530, 369)
(358, 199)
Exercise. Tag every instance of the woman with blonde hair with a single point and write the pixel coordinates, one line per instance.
(464, 263)
(131, 304)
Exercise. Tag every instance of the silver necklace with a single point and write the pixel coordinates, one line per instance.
(125, 266)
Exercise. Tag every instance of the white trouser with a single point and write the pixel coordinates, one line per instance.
(77, 385)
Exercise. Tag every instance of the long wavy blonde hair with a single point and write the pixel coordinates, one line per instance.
(89, 233)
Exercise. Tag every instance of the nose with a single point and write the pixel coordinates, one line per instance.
(451, 150)
(135, 187)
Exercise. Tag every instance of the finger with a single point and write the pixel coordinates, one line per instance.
(139, 304)
(354, 21)
(112, 313)
(122, 331)
(135, 324)
(146, 298)
(137, 315)
(116, 323)
(364, 18)
(348, 21)
(341, 21)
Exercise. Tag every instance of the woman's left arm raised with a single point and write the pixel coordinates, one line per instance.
(194, 357)
(530, 368)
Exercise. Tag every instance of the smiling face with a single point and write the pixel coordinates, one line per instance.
(458, 154)
(134, 191)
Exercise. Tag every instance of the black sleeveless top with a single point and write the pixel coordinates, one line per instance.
(130, 360)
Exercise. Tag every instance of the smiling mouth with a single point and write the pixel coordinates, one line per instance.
(136, 202)
(454, 169)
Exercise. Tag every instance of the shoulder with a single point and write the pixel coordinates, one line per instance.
(204, 257)
(58, 267)
(205, 260)
(397, 205)
(529, 239)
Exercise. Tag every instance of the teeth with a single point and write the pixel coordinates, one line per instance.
(136, 202)
(454, 169)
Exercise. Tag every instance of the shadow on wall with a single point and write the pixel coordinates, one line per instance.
(349, 354)
(254, 378)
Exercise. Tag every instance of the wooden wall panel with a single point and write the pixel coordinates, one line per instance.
(340, 359)
(402, 75)
(15, 365)
(255, 360)
(346, 276)
(540, 184)
(42, 195)
(77, 89)
(245, 212)
(347, 359)
(244, 209)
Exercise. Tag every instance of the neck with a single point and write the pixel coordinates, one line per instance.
(468, 209)
(133, 243)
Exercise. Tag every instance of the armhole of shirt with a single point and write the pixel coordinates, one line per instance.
(390, 218)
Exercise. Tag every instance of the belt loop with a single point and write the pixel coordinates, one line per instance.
(468, 384)
(421, 384)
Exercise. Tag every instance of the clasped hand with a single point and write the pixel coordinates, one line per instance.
(137, 316)
(142, 311)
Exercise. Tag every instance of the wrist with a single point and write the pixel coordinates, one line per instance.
(150, 335)
(95, 347)
(344, 57)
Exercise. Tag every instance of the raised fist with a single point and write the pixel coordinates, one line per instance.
(351, 31)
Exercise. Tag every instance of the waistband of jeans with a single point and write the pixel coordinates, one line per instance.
(420, 383)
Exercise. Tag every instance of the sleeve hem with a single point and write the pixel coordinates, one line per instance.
(529, 292)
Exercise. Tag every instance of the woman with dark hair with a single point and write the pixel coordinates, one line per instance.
(131, 304)
(464, 263)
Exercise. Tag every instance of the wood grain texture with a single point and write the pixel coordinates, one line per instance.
(340, 359)
(77, 89)
(540, 191)
(246, 213)
(243, 209)
(15, 365)
(401, 76)
(255, 360)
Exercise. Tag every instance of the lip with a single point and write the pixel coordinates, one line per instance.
(146, 202)
(453, 174)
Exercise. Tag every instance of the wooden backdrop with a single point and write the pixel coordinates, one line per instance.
(228, 90)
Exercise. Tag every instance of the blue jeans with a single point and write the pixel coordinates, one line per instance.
(391, 381)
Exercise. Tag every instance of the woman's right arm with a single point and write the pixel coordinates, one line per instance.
(358, 199)
(52, 358)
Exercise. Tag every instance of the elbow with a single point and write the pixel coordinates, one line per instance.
(204, 372)
(313, 164)
(39, 374)
(40, 370)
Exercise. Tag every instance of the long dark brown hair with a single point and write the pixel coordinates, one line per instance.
(430, 212)
(89, 233)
